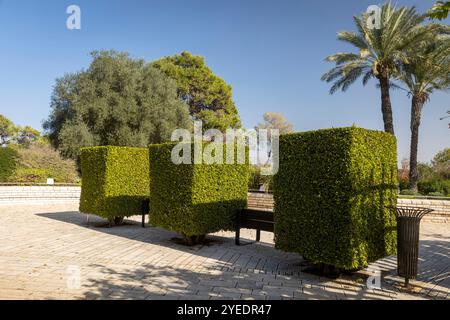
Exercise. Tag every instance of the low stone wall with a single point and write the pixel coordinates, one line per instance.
(441, 208)
(260, 200)
(441, 213)
(10, 195)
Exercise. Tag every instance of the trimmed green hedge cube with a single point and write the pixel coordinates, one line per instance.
(195, 199)
(115, 181)
(8, 162)
(331, 193)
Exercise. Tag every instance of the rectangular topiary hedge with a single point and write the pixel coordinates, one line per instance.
(331, 193)
(195, 199)
(8, 162)
(115, 181)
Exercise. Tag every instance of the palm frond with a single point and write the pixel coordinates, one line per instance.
(343, 57)
(369, 75)
(428, 68)
(394, 86)
(347, 77)
(352, 38)
(381, 51)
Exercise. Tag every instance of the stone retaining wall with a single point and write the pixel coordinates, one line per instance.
(38, 194)
(264, 201)
(441, 208)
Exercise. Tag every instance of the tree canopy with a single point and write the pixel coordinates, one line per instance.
(441, 163)
(7, 129)
(379, 52)
(439, 10)
(118, 100)
(209, 97)
(273, 120)
(11, 133)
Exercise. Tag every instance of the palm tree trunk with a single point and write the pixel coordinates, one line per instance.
(386, 107)
(416, 113)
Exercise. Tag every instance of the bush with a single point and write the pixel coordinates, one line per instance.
(30, 175)
(257, 180)
(408, 192)
(195, 199)
(445, 185)
(403, 185)
(115, 181)
(331, 193)
(432, 186)
(8, 163)
(254, 182)
(436, 194)
(427, 186)
(39, 161)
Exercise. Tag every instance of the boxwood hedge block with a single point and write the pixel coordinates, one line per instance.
(195, 199)
(8, 162)
(331, 193)
(115, 181)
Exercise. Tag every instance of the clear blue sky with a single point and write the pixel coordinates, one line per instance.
(271, 52)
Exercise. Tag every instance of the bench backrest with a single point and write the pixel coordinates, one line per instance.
(256, 219)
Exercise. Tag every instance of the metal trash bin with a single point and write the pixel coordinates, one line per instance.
(408, 227)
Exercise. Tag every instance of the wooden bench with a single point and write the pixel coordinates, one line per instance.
(253, 219)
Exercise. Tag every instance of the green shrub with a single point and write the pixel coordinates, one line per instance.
(38, 161)
(257, 180)
(445, 187)
(331, 193)
(431, 186)
(403, 185)
(427, 186)
(436, 194)
(195, 199)
(115, 181)
(8, 163)
(32, 175)
(254, 182)
(408, 192)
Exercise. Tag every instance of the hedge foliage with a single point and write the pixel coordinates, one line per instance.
(39, 161)
(331, 193)
(115, 181)
(427, 187)
(8, 163)
(195, 199)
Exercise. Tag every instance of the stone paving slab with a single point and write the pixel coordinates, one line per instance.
(49, 252)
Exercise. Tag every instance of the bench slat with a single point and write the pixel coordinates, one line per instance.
(254, 219)
(261, 225)
(256, 214)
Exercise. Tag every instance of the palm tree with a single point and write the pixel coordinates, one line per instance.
(448, 112)
(381, 50)
(439, 10)
(427, 71)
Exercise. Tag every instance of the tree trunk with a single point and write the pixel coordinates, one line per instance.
(118, 221)
(416, 113)
(386, 107)
(193, 240)
(115, 221)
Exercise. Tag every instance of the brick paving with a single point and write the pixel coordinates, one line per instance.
(43, 249)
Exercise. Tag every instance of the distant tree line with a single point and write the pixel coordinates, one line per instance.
(26, 156)
(433, 177)
(11, 133)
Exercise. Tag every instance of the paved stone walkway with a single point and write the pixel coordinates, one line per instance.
(48, 252)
